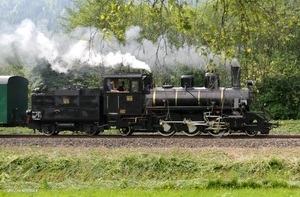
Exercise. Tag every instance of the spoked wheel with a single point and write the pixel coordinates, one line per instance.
(217, 133)
(92, 131)
(191, 133)
(167, 130)
(251, 133)
(49, 130)
(194, 133)
(125, 131)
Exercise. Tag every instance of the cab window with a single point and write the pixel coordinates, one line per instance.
(135, 86)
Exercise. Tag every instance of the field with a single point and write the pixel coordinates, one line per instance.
(61, 171)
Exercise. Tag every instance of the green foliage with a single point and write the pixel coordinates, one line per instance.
(14, 12)
(110, 17)
(172, 76)
(45, 185)
(12, 65)
(82, 75)
(8, 69)
(280, 92)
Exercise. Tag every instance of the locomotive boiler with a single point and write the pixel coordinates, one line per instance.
(140, 107)
(210, 109)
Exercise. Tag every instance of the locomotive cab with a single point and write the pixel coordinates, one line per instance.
(123, 106)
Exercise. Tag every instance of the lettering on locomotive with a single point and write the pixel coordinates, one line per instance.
(129, 98)
(66, 101)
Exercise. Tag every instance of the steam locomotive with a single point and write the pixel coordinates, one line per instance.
(140, 107)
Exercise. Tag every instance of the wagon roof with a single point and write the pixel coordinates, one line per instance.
(5, 79)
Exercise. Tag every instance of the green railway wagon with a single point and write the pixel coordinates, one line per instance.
(13, 100)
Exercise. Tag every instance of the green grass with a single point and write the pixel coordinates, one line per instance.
(42, 168)
(158, 193)
(15, 130)
(287, 127)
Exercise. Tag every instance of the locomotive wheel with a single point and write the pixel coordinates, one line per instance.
(170, 132)
(49, 133)
(194, 133)
(49, 130)
(216, 133)
(251, 133)
(93, 131)
(125, 131)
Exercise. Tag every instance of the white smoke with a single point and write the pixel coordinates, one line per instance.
(62, 51)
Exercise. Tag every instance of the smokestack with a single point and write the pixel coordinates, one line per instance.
(235, 74)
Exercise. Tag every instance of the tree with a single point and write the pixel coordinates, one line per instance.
(263, 35)
(110, 17)
(280, 95)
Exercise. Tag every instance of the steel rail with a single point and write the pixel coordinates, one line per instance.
(285, 136)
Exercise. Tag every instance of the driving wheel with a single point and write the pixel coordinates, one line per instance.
(251, 133)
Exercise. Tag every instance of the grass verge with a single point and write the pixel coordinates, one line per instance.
(40, 168)
(164, 193)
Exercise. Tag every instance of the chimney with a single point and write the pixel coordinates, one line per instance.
(235, 74)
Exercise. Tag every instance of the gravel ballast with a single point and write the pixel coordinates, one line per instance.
(151, 142)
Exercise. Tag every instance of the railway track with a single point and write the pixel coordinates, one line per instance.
(152, 141)
(111, 136)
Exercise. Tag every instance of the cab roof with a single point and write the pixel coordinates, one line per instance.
(125, 75)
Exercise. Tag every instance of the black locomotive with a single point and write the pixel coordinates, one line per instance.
(142, 108)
